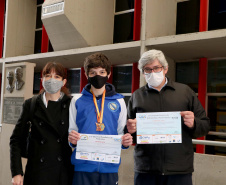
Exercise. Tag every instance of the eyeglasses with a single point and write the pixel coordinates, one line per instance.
(155, 70)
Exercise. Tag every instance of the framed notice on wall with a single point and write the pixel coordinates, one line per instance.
(12, 109)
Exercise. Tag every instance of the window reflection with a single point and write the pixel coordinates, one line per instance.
(122, 5)
(216, 76)
(188, 73)
(217, 14)
(122, 78)
(123, 27)
(217, 115)
(37, 81)
(38, 17)
(188, 17)
(38, 41)
(73, 81)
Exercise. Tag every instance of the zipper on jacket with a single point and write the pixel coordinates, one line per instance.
(99, 106)
(163, 146)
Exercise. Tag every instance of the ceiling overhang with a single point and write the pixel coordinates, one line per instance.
(192, 46)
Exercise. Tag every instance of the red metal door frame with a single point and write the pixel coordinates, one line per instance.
(2, 17)
(135, 77)
(45, 40)
(137, 20)
(203, 64)
(136, 36)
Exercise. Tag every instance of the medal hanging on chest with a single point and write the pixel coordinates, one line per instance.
(99, 125)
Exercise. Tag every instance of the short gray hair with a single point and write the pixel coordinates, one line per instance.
(150, 56)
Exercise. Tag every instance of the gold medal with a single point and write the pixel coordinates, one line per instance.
(99, 125)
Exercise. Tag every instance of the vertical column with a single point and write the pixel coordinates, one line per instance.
(135, 77)
(83, 79)
(203, 64)
(203, 15)
(2, 16)
(137, 20)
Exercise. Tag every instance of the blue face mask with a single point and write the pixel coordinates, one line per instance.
(52, 85)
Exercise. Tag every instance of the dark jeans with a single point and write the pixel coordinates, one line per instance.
(150, 179)
(95, 178)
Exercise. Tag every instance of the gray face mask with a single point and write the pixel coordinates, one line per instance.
(52, 85)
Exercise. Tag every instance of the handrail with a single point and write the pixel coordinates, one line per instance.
(217, 133)
(206, 142)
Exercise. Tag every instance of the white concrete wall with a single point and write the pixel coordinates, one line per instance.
(94, 19)
(6, 131)
(209, 170)
(5, 173)
(20, 27)
(160, 18)
(83, 23)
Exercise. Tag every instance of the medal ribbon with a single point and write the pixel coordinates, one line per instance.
(99, 115)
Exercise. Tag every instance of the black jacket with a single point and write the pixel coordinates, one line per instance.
(48, 152)
(168, 159)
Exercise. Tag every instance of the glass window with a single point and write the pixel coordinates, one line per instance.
(38, 31)
(38, 41)
(217, 115)
(73, 81)
(38, 17)
(188, 73)
(217, 14)
(37, 81)
(122, 79)
(122, 5)
(216, 76)
(188, 16)
(123, 27)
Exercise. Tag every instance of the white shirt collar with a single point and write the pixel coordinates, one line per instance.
(44, 98)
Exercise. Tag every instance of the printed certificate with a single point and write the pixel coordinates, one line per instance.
(101, 148)
(158, 127)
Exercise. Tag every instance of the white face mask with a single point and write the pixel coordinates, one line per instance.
(154, 79)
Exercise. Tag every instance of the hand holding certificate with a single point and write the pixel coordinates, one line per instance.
(101, 148)
(158, 127)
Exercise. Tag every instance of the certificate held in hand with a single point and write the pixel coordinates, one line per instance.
(158, 127)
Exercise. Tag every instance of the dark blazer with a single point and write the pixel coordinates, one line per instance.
(48, 151)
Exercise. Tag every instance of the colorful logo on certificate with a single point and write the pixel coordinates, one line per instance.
(113, 106)
(84, 137)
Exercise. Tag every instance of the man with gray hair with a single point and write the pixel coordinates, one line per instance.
(169, 163)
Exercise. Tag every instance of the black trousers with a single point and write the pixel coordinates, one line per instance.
(95, 178)
(150, 179)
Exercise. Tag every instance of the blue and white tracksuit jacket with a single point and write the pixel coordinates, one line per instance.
(83, 119)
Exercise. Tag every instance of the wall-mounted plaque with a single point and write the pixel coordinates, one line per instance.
(12, 109)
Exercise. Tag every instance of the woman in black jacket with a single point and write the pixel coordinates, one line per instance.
(48, 150)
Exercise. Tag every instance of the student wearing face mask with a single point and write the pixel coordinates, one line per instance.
(100, 110)
(48, 151)
(171, 163)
